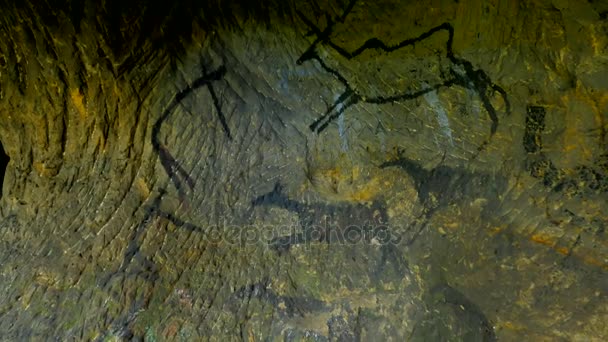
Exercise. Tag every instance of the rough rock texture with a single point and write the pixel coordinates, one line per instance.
(381, 170)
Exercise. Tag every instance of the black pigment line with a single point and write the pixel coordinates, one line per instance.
(410, 96)
(491, 112)
(349, 99)
(347, 11)
(459, 300)
(334, 224)
(133, 247)
(174, 170)
(311, 216)
(504, 96)
(171, 166)
(442, 186)
(218, 109)
(476, 80)
(286, 305)
(322, 36)
(278, 198)
(377, 44)
(343, 97)
(333, 72)
(178, 222)
(449, 184)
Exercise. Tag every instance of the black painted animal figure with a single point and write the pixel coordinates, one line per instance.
(443, 185)
(461, 72)
(344, 223)
(324, 222)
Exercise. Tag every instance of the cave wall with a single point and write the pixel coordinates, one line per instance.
(341, 171)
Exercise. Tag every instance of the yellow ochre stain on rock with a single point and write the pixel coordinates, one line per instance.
(347, 184)
(543, 240)
(45, 170)
(142, 187)
(511, 326)
(78, 102)
(574, 139)
(552, 243)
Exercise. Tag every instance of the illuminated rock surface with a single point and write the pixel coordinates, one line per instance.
(298, 171)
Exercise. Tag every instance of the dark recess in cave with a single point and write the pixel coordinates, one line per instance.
(3, 164)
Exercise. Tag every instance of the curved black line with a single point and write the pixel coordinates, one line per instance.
(347, 99)
(171, 166)
(218, 109)
(377, 44)
(410, 96)
(473, 79)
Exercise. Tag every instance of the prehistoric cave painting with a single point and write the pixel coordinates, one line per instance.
(338, 223)
(134, 265)
(174, 170)
(285, 306)
(444, 185)
(134, 262)
(575, 182)
(323, 223)
(147, 268)
(343, 325)
(4, 160)
(461, 72)
(468, 321)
